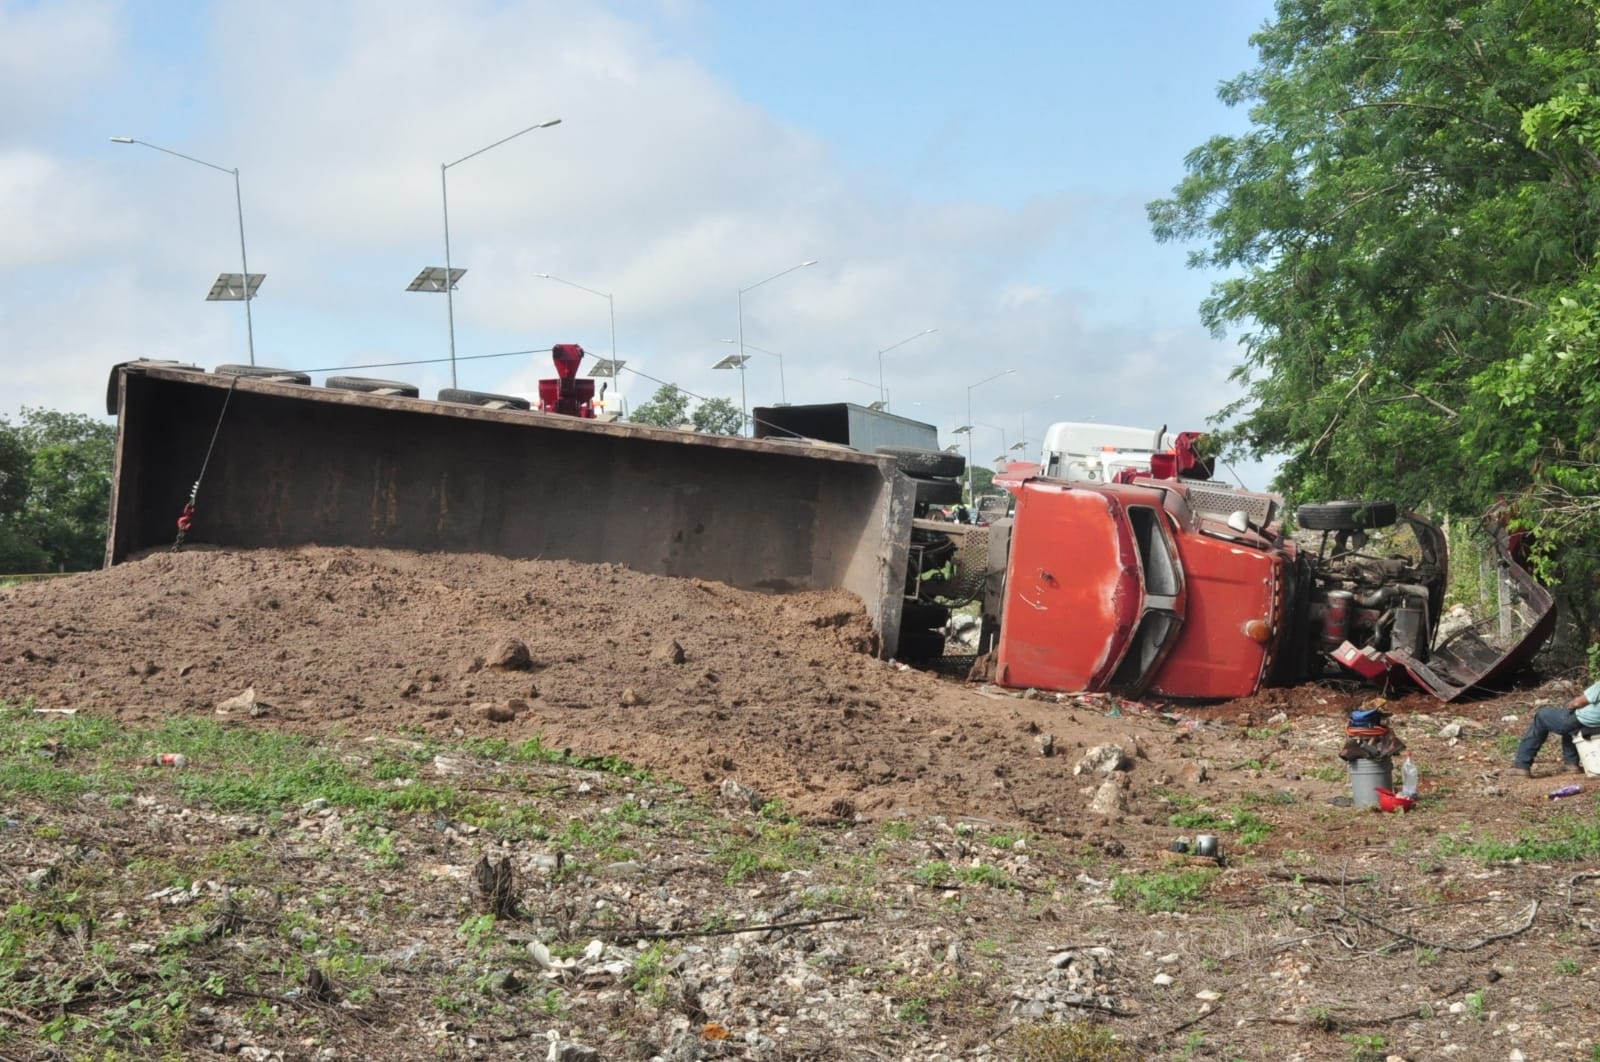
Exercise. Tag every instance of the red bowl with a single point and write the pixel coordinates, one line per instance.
(1389, 800)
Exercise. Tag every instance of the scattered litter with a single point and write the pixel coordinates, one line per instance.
(1566, 791)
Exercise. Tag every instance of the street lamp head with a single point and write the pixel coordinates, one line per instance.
(245, 287)
(547, 125)
(811, 262)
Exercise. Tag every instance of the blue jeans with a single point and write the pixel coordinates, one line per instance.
(1547, 721)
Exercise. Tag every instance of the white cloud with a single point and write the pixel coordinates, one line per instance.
(662, 186)
(46, 51)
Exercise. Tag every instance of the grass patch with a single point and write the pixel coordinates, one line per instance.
(1247, 826)
(776, 847)
(1162, 891)
(940, 874)
(534, 750)
(1566, 838)
(1073, 1041)
(897, 830)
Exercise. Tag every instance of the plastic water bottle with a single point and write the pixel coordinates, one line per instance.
(1408, 778)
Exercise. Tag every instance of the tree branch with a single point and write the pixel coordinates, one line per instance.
(1533, 909)
(1494, 131)
(1335, 422)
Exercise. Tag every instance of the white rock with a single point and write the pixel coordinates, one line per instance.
(1103, 759)
(1162, 979)
(1108, 799)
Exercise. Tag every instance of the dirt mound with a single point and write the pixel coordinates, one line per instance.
(693, 680)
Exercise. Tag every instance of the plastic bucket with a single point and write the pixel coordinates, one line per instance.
(1588, 754)
(1367, 777)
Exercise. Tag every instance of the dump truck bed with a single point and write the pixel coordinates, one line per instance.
(283, 464)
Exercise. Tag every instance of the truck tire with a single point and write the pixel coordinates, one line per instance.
(936, 491)
(111, 384)
(915, 462)
(483, 398)
(1346, 515)
(371, 386)
(262, 372)
(920, 645)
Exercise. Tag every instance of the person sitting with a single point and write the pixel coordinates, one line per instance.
(1582, 713)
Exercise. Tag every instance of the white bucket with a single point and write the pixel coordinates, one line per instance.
(1588, 753)
(1367, 777)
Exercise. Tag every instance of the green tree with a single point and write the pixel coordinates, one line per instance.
(667, 408)
(1408, 234)
(719, 416)
(982, 482)
(18, 550)
(65, 492)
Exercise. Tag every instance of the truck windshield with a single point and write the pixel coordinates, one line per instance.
(1163, 580)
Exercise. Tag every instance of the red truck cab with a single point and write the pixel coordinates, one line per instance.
(1126, 587)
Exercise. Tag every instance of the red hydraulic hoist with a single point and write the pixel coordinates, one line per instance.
(567, 394)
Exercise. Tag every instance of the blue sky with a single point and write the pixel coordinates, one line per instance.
(982, 173)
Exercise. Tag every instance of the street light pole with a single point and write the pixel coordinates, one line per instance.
(752, 287)
(444, 193)
(611, 306)
(1002, 431)
(883, 394)
(238, 202)
(783, 390)
(882, 403)
(970, 387)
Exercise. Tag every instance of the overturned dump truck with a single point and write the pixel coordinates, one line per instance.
(1158, 582)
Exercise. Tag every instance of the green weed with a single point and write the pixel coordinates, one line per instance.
(534, 750)
(1073, 1041)
(898, 830)
(1366, 1047)
(1162, 891)
(651, 974)
(1561, 839)
(940, 874)
(779, 846)
(1477, 1006)
(1250, 827)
